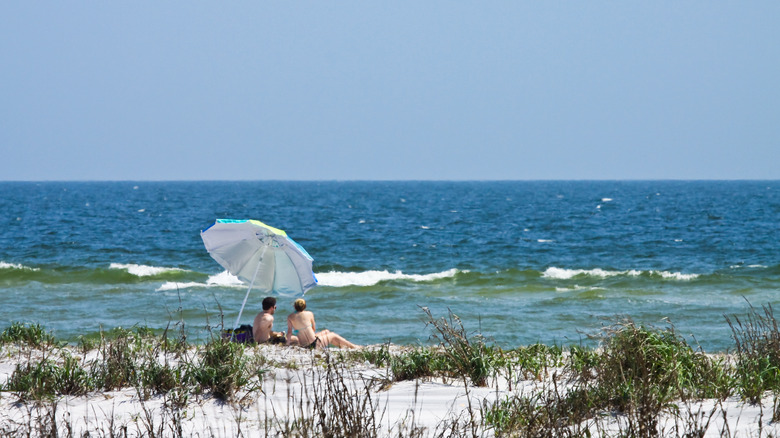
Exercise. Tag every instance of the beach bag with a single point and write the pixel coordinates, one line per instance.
(243, 334)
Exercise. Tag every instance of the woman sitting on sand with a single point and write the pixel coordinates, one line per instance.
(301, 330)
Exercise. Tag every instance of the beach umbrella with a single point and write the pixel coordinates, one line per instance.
(261, 256)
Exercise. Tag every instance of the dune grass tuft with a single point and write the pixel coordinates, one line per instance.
(757, 339)
(32, 335)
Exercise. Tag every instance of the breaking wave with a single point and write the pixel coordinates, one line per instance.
(331, 279)
(4, 265)
(565, 274)
(143, 270)
(223, 279)
(370, 278)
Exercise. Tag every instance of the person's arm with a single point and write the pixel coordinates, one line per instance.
(313, 327)
(290, 332)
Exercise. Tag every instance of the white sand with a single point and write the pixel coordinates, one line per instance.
(291, 392)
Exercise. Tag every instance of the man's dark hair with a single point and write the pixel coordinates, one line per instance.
(268, 302)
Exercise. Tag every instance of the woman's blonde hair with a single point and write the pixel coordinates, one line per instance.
(299, 304)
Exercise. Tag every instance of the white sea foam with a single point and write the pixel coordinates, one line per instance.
(4, 265)
(370, 278)
(578, 288)
(545, 240)
(565, 274)
(606, 199)
(676, 275)
(172, 285)
(142, 270)
(748, 266)
(223, 279)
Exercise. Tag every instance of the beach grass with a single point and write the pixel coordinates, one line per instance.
(757, 349)
(638, 374)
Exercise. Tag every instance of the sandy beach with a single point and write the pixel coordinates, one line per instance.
(299, 391)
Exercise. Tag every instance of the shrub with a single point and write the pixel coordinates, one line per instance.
(469, 357)
(417, 363)
(641, 372)
(116, 367)
(45, 379)
(222, 369)
(29, 334)
(757, 341)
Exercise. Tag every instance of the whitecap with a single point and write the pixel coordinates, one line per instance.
(223, 279)
(370, 278)
(606, 199)
(545, 240)
(748, 266)
(565, 274)
(4, 265)
(172, 285)
(142, 270)
(676, 275)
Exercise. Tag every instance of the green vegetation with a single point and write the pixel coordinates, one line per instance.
(125, 358)
(757, 341)
(639, 373)
(32, 335)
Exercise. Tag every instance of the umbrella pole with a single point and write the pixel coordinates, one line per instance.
(235, 326)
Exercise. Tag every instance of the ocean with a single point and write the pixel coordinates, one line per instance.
(519, 262)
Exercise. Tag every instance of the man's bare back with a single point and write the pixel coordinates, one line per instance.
(262, 328)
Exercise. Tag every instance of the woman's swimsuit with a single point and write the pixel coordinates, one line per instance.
(295, 331)
(311, 346)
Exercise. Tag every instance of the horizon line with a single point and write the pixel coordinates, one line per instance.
(393, 180)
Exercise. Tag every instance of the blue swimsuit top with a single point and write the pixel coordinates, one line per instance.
(295, 330)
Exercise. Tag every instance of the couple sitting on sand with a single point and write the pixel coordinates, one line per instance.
(300, 328)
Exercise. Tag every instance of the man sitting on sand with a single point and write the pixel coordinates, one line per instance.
(262, 329)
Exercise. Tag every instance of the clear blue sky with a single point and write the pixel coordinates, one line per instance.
(397, 90)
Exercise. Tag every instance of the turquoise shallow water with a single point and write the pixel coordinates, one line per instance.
(520, 262)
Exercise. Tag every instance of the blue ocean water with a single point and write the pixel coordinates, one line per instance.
(520, 262)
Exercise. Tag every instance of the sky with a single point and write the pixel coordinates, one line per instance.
(397, 90)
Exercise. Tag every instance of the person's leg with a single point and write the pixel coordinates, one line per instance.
(334, 339)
